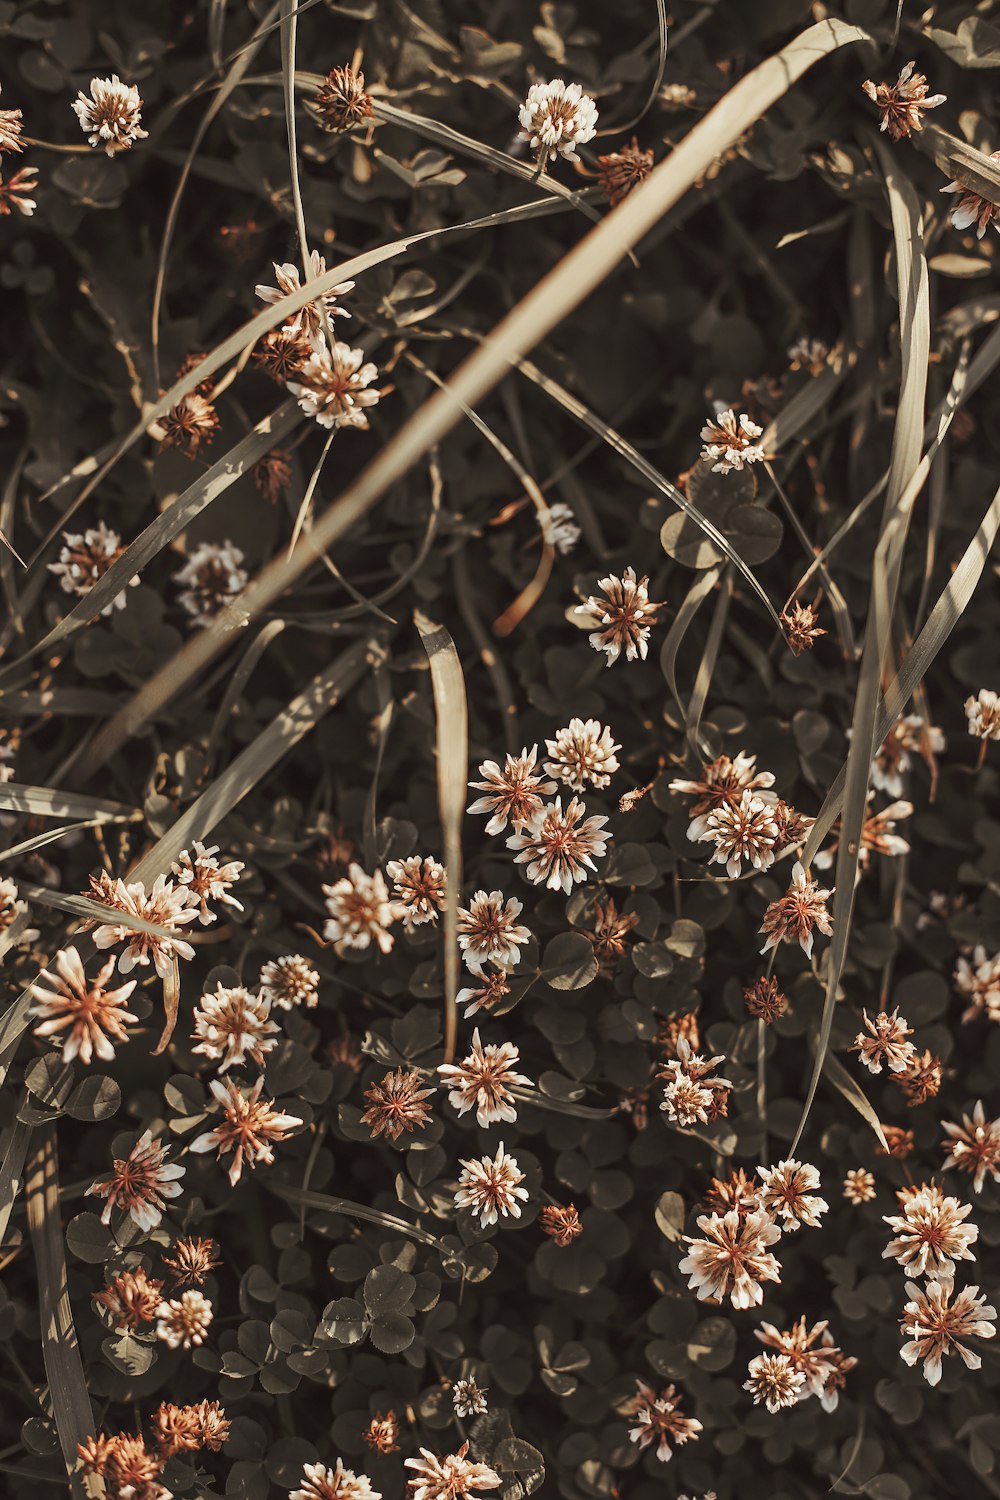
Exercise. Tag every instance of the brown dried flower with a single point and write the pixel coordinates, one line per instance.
(192, 1261)
(193, 422)
(800, 626)
(561, 1224)
(131, 1298)
(341, 101)
(901, 102)
(620, 171)
(272, 474)
(764, 1000)
(382, 1432)
(396, 1105)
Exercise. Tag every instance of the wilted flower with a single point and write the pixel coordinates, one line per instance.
(609, 932)
(322, 1483)
(972, 209)
(555, 118)
(489, 932)
(272, 474)
(582, 752)
(922, 1079)
(764, 1000)
(289, 982)
(167, 905)
(140, 1183)
(901, 102)
(808, 354)
(109, 116)
(737, 1191)
(745, 830)
(733, 1258)
(801, 630)
(937, 1326)
(878, 836)
(561, 1224)
(909, 735)
(84, 558)
(690, 1094)
(418, 888)
(559, 528)
(341, 102)
(382, 1432)
(859, 1186)
(199, 871)
(212, 577)
(974, 1146)
(453, 1477)
(16, 192)
(979, 981)
(10, 131)
(514, 793)
(559, 848)
(180, 1429)
(931, 1235)
(79, 1013)
(822, 1365)
(494, 989)
(184, 1320)
(360, 911)
(332, 385)
(787, 1194)
(12, 907)
(308, 319)
(899, 1141)
(490, 1186)
(886, 1042)
(249, 1127)
(623, 617)
(125, 1465)
(396, 1105)
(481, 1081)
(729, 442)
(192, 1261)
(468, 1399)
(192, 422)
(792, 825)
(131, 1298)
(281, 353)
(620, 171)
(983, 712)
(794, 915)
(722, 784)
(231, 1025)
(660, 1420)
(774, 1381)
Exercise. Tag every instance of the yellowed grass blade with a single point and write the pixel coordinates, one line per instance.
(915, 325)
(452, 712)
(74, 1415)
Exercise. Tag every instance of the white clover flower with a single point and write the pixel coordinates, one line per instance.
(557, 117)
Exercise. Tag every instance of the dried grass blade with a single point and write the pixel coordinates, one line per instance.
(693, 600)
(308, 1198)
(49, 802)
(905, 462)
(452, 712)
(837, 1074)
(12, 1170)
(74, 1416)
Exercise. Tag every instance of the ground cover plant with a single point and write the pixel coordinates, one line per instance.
(499, 703)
